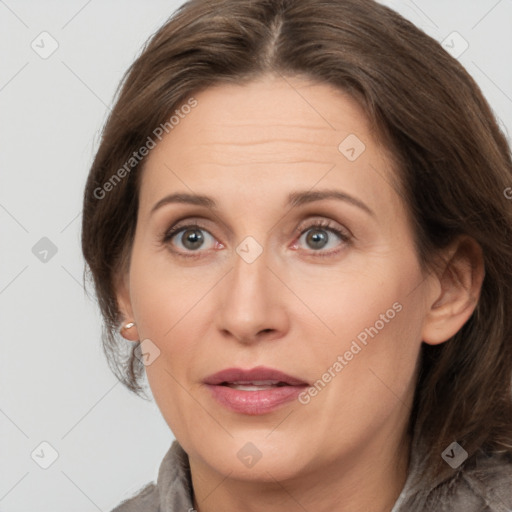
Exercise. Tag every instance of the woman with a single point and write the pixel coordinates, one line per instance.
(298, 215)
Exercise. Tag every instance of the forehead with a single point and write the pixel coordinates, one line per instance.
(291, 110)
(269, 133)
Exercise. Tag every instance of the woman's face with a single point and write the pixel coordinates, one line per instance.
(300, 261)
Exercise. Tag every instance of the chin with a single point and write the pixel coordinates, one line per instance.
(253, 456)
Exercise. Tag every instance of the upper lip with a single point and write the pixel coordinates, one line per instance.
(260, 373)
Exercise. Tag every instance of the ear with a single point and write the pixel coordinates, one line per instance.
(460, 282)
(122, 291)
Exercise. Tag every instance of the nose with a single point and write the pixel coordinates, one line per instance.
(251, 304)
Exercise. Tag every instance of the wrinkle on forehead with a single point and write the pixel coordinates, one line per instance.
(269, 136)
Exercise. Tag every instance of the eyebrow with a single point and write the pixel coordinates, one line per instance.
(295, 199)
(299, 198)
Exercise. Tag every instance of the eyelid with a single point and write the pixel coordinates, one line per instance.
(179, 225)
(324, 224)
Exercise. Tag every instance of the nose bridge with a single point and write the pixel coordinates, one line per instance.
(249, 282)
(250, 300)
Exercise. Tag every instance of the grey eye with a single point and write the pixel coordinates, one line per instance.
(191, 238)
(318, 238)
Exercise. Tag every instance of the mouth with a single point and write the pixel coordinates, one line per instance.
(256, 391)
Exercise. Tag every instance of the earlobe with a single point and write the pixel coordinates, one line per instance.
(129, 332)
(127, 328)
(460, 281)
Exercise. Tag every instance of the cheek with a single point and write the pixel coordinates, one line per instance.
(169, 305)
(365, 359)
(381, 376)
(362, 302)
(162, 293)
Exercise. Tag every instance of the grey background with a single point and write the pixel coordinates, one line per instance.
(55, 385)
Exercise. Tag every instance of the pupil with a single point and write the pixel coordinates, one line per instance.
(193, 238)
(318, 236)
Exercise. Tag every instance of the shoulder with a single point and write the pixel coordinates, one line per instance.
(146, 500)
(482, 485)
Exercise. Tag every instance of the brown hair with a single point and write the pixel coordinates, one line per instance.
(454, 166)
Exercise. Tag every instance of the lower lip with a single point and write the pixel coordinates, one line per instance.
(255, 402)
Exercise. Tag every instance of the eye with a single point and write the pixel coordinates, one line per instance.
(319, 236)
(190, 238)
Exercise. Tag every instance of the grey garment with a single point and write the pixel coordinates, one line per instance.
(482, 485)
(173, 489)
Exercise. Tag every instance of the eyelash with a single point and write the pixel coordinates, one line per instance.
(319, 224)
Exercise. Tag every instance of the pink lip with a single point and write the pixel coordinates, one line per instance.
(254, 402)
(259, 373)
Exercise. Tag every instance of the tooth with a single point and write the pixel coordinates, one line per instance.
(257, 382)
(248, 387)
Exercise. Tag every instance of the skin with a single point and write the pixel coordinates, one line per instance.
(292, 309)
